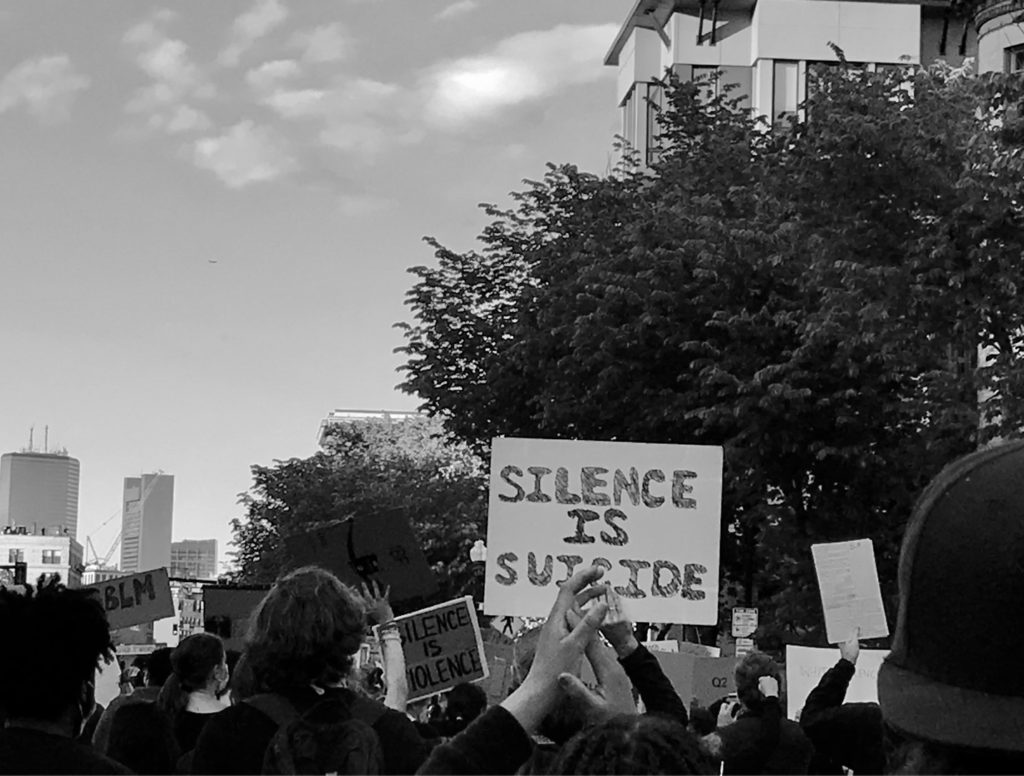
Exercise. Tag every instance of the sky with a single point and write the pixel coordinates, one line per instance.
(208, 212)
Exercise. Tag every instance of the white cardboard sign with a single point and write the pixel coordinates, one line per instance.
(649, 513)
(850, 594)
(806, 665)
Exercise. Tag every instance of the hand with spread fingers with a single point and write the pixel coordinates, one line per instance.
(559, 649)
(378, 605)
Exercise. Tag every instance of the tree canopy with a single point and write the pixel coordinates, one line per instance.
(810, 296)
(366, 468)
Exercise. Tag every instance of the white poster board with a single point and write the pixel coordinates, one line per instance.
(649, 513)
(850, 594)
(806, 665)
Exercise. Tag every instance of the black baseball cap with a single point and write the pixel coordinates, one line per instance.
(954, 673)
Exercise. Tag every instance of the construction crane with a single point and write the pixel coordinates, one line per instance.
(102, 562)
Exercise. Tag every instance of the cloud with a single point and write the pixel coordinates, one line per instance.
(269, 75)
(262, 18)
(174, 79)
(45, 86)
(297, 103)
(524, 68)
(323, 44)
(457, 9)
(245, 154)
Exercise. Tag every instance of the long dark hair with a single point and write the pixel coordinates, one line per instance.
(193, 662)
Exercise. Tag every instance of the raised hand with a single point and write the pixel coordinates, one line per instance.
(850, 649)
(378, 607)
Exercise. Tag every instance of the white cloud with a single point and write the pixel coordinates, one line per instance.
(458, 9)
(45, 86)
(326, 43)
(246, 153)
(297, 103)
(175, 79)
(267, 76)
(524, 68)
(261, 19)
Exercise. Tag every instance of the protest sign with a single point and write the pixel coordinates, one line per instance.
(378, 547)
(744, 622)
(442, 647)
(699, 650)
(136, 598)
(650, 514)
(850, 594)
(806, 665)
(226, 612)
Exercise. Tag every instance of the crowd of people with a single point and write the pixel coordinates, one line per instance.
(293, 702)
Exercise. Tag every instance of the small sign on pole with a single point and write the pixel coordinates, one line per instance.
(744, 622)
(744, 646)
(850, 593)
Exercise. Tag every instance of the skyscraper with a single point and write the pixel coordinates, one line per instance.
(146, 522)
(194, 559)
(39, 491)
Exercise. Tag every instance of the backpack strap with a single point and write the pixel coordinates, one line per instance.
(281, 710)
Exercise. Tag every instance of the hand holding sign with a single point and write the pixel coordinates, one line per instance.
(849, 650)
(559, 649)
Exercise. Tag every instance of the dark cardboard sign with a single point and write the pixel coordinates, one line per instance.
(442, 647)
(379, 547)
(226, 612)
(135, 599)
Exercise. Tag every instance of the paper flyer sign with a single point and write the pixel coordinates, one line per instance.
(649, 513)
(850, 593)
(442, 647)
(744, 622)
(806, 665)
(136, 598)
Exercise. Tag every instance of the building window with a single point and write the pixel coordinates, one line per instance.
(1014, 59)
(52, 557)
(785, 97)
(15, 556)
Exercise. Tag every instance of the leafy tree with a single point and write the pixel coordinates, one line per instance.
(811, 298)
(368, 467)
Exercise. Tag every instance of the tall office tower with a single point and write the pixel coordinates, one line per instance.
(39, 491)
(194, 559)
(146, 522)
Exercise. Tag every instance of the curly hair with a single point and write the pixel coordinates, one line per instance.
(633, 744)
(750, 669)
(52, 642)
(304, 631)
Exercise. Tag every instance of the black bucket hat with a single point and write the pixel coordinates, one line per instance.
(954, 675)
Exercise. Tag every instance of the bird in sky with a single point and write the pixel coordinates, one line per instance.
(211, 261)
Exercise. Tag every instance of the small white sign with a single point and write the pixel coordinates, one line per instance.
(850, 594)
(806, 665)
(744, 622)
(744, 646)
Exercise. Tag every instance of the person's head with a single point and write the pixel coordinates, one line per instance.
(466, 702)
(158, 667)
(702, 721)
(142, 739)
(198, 664)
(633, 744)
(954, 703)
(751, 668)
(52, 642)
(305, 631)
